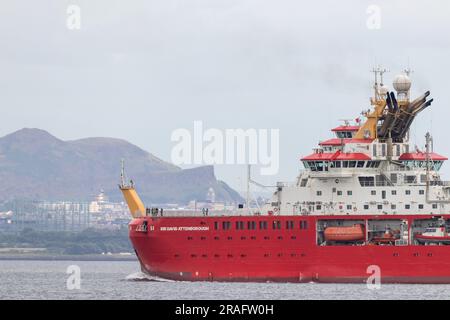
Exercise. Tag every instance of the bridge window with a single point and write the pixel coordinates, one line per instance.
(360, 164)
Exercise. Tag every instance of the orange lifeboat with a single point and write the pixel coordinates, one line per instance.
(351, 233)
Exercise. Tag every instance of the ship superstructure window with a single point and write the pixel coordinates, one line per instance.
(374, 150)
(226, 225)
(339, 193)
(421, 191)
(366, 207)
(373, 192)
(319, 193)
(344, 134)
(373, 164)
(349, 207)
(303, 182)
(303, 224)
(393, 177)
(407, 192)
(360, 164)
(366, 181)
(251, 225)
(336, 164)
(276, 224)
(263, 225)
(407, 206)
(216, 225)
(434, 206)
(349, 192)
(434, 165)
(239, 225)
(318, 207)
(393, 206)
(316, 165)
(380, 207)
(420, 206)
(289, 224)
(410, 179)
(394, 192)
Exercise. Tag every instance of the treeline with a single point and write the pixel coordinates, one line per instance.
(89, 241)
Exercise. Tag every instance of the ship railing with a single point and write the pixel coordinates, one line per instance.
(401, 242)
(199, 213)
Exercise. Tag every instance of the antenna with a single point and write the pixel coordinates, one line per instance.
(408, 71)
(378, 70)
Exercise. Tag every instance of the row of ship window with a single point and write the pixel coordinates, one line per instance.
(324, 165)
(372, 192)
(262, 225)
(243, 238)
(380, 206)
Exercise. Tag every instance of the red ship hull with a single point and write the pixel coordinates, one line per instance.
(199, 249)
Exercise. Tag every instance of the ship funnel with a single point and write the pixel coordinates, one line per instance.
(134, 202)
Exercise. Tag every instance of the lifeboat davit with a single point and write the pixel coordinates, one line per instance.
(350, 233)
(388, 237)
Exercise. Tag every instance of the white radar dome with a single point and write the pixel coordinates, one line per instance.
(384, 90)
(402, 83)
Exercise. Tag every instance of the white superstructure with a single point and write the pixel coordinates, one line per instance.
(370, 168)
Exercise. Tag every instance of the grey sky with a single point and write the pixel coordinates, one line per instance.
(140, 69)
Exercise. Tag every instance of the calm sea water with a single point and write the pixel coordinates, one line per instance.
(122, 280)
